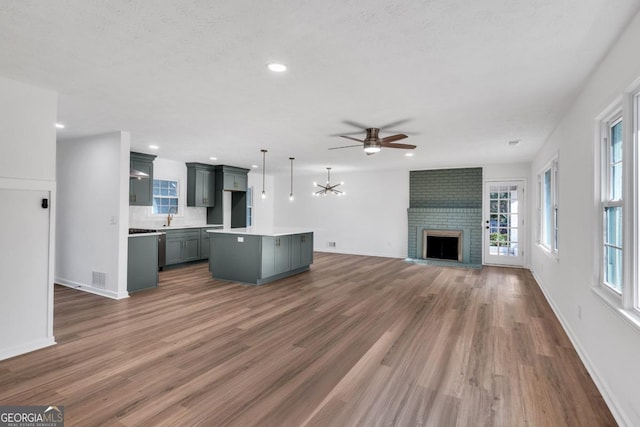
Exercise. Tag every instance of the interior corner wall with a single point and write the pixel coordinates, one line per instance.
(263, 209)
(92, 213)
(608, 345)
(371, 219)
(27, 176)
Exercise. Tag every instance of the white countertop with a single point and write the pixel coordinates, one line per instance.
(146, 234)
(172, 227)
(262, 231)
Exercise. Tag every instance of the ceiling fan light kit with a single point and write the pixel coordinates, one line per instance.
(328, 188)
(373, 143)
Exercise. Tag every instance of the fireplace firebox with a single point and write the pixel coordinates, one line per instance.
(442, 244)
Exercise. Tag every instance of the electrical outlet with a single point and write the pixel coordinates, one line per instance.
(331, 244)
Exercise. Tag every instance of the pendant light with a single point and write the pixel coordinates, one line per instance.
(291, 191)
(264, 193)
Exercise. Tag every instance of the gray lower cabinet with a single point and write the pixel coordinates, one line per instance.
(301, 250)
(276, 255)
(142, 265)
(204, 242)
(259, 259)
(182, 246)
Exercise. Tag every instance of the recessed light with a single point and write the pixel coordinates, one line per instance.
(277, 68)
(153, 147)
(408, 154)
(255, 166)
(59, 126)
(213, 158)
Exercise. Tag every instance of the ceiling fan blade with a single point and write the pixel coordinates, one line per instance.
(352, 138)
(355, 124)
(345, 146)
(394, 124)
(360, 132)
(392, 138)
(405, 146)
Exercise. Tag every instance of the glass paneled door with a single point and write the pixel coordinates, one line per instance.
(504, 223)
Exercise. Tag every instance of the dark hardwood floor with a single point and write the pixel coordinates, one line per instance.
(357, 341)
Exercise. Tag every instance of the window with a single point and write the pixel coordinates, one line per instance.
(612, 203)
(618, 160)
(548, 207)
(249, 206)
(165, 197)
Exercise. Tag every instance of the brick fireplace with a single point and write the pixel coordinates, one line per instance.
(446, 201)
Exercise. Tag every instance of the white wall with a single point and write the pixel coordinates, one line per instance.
(92, 213)
(371, 219)
(506, 171)
(141, 216)
(27, 175)
(609, 346)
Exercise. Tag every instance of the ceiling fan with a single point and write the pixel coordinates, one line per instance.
(373, 143)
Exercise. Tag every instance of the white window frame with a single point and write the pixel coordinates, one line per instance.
(606, 201)
(627, 303)
(250, 206)
(180, 212)
(552, 247)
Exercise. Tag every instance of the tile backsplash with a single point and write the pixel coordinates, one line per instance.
(140, 217)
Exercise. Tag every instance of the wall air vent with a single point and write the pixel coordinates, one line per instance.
(99, 280)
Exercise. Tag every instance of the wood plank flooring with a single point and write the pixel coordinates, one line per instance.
(357, 341)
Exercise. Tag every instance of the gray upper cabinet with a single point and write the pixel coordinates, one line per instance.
(235, 181)
(200, 185)
(141, 189)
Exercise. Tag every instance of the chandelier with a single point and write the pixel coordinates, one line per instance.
(328, 188)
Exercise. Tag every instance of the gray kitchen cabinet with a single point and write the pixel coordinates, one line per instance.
(182, 246)
(141, 188)
(204, 242)
(142, 263)
(234, 180)
(200, 185)
(276, 257)
(258, 258)
(301, 250)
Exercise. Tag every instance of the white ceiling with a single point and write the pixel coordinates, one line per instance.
(191, 77)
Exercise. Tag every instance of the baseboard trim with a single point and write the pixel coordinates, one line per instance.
(91, 289)
(618, 414)
(7, 353)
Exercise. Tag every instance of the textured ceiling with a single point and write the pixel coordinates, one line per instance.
(191, 77)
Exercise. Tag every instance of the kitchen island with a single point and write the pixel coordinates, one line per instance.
(258, 256)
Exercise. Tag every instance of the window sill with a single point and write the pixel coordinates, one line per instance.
(553, 255)
(631, 317)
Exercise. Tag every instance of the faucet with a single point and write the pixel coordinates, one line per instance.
(169, 216)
